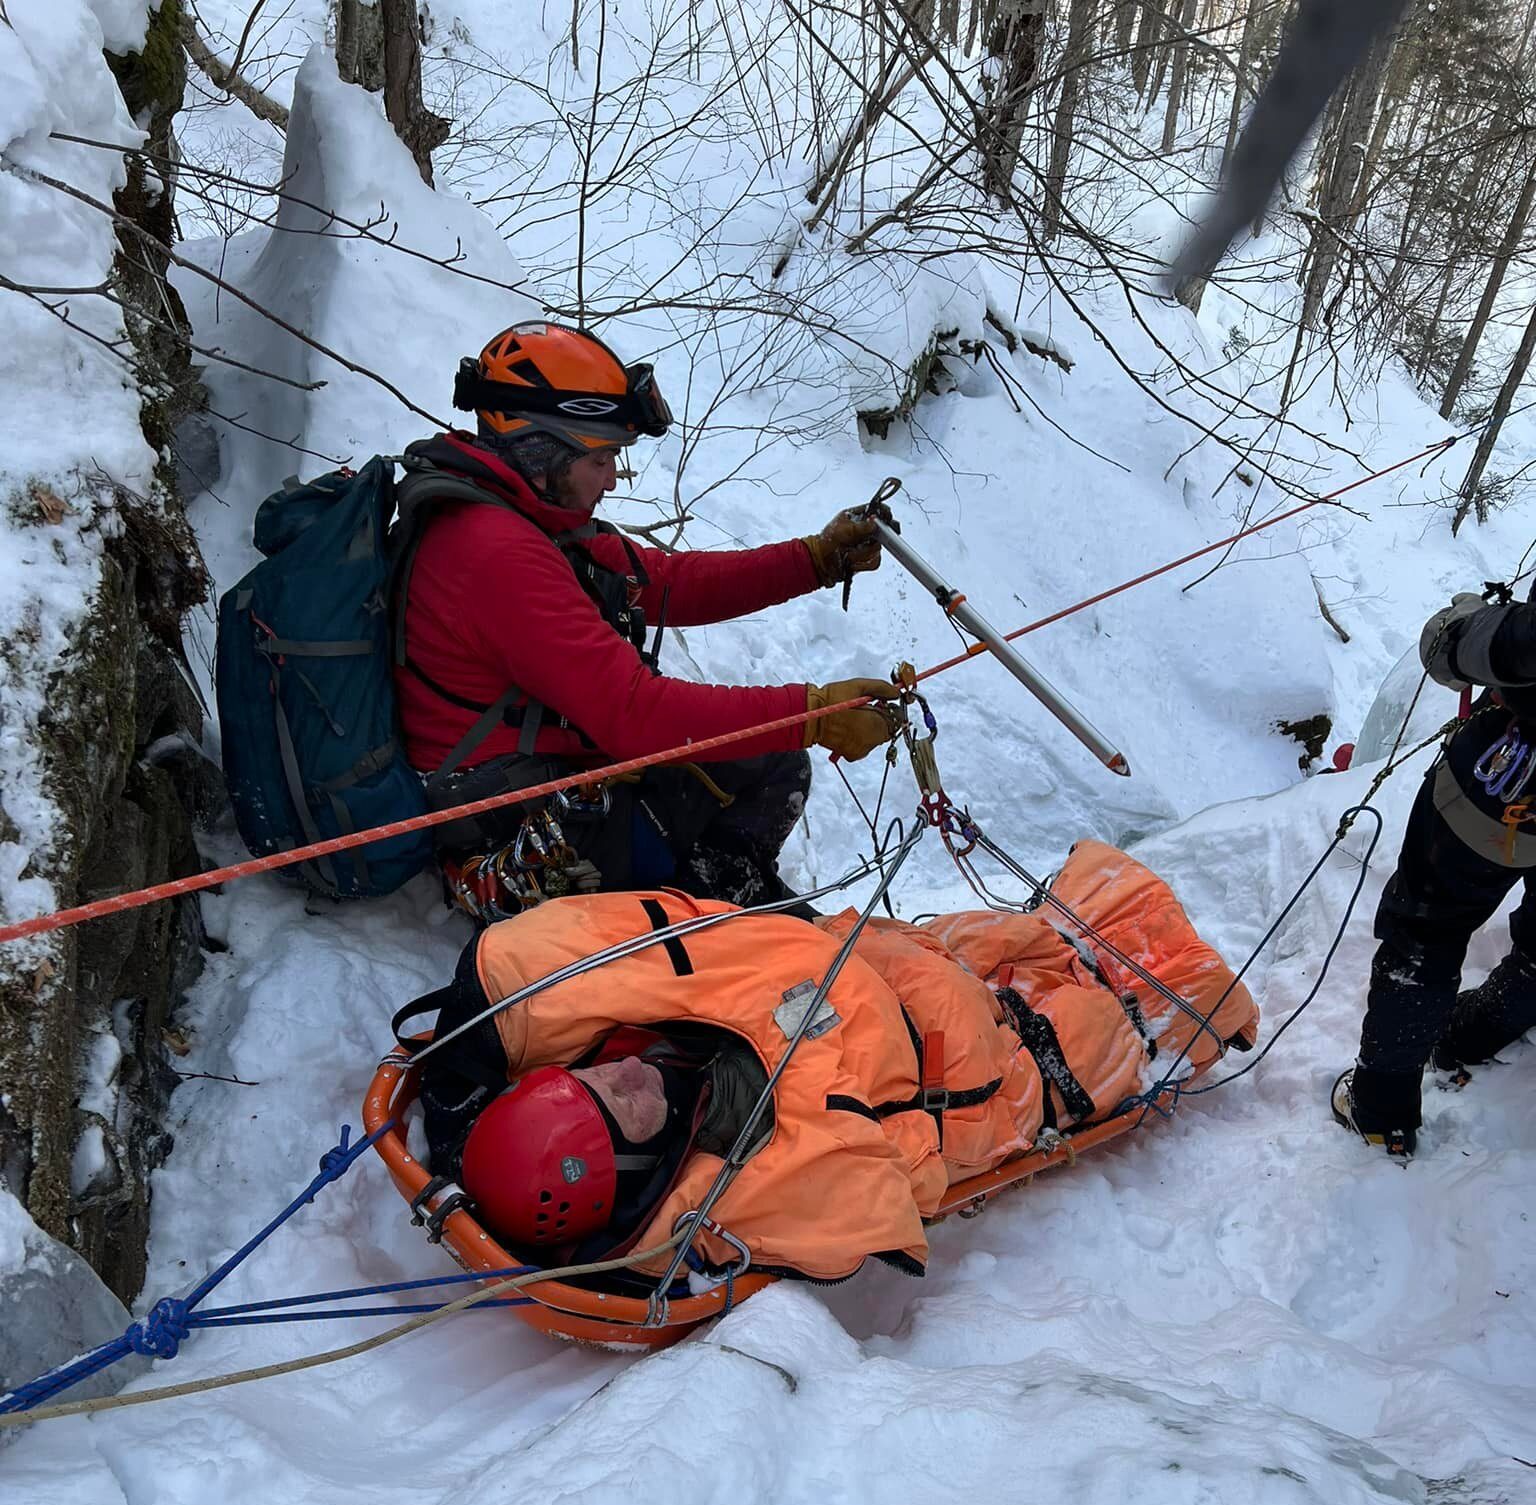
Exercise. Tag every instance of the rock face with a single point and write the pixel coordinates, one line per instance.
(84, 1014)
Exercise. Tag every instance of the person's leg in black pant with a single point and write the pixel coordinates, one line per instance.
(1440, 895)
(1502, 1007)
(724, 824)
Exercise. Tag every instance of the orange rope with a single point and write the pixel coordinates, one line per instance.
(1210, 548)
(117, 903)
(137, 899)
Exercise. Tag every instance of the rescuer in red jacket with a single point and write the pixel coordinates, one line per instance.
(527, 634)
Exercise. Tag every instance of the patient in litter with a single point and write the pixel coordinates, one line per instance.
(586, 1117)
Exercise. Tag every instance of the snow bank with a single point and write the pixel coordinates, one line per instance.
(69, 426)
(69, 432)
(55, 1307)
(392, 309)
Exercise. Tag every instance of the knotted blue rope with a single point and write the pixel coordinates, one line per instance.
(171, 1319)
(160, 1334)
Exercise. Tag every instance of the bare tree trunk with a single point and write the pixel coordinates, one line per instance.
(1526, 33)
(1147, 35)
(1501, 260)
(1163, 50)
(1338, 198)
(1079, 24)
(360, 44)
(347, 24)
(1432, 331)
(1125, 25)
(1470, 496)
(1180, 74)
(1241, 89)
(1016, 40)
(1397, 83)
(416, 125)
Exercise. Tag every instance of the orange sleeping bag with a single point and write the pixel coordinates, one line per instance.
(943, 1049)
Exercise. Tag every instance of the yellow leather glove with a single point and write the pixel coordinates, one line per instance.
(846, 547)
(854, 733)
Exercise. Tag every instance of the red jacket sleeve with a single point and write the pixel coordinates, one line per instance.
(714, 585)
(540, 630)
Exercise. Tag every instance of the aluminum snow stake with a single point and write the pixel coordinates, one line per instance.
(960, 610)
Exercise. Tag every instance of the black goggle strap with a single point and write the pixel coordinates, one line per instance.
(642, 409)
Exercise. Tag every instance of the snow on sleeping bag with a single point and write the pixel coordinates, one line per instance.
(1024, 1028)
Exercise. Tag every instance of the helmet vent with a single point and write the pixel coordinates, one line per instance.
(544, 1196)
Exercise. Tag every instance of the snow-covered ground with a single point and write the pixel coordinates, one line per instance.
(1242, 1303)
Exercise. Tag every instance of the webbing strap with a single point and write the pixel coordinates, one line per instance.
(1039, 1038)
(965, 1097)
(677, 953)
(345, 648)
(487, 722)
(295, 782)
(931, 1086)
(365, 768)
(533, 719)
(357, 855)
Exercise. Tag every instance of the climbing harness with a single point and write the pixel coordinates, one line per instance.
(538, 863)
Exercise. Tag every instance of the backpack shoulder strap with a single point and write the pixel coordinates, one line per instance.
(418, 496)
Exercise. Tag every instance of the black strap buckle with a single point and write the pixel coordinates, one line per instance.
(934, 1099)
(433, 1219)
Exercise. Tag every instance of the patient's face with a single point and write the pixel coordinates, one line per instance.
(630, 1090)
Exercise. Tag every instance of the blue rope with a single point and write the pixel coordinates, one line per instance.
(380, 1290)
(251, 1318)
(161, 1334)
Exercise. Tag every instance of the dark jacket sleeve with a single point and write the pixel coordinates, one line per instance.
(1497, 646)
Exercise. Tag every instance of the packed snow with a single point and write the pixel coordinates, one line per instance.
(1242, 1303)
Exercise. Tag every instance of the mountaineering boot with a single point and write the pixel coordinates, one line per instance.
(1381, 1107)
(1490, 1016)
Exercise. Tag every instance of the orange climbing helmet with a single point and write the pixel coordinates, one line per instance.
(550, 378)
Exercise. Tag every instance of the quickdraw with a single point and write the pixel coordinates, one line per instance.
(537, 864)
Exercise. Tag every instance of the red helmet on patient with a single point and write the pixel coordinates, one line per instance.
(540, 1162)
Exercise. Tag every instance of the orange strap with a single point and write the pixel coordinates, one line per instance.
(1513, 816)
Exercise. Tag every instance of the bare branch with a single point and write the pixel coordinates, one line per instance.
(221, 76)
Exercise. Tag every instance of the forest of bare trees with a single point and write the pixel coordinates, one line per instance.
(1022, 132)
(1026, 138)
